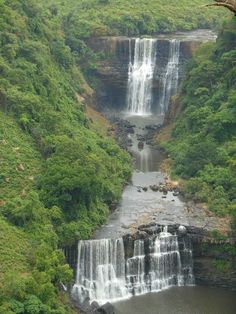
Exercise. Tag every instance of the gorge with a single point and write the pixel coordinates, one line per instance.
(117, 157)
(152, 241)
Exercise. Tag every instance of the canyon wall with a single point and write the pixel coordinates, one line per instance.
(112, 72)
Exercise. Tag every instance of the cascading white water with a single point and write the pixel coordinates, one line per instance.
(165, 264)
(171, 75)
(101, 270)
(104, 274)
(140, 76)
(136, 280)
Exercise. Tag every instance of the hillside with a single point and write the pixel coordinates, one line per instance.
(203, 138)
(124, 17)
(58, 175)
(59, 172)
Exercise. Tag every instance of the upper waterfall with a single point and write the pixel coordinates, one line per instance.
(171, 76)
(141, 75)
(141, 70)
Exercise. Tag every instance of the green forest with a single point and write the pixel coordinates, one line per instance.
(204, 136)
(58, 175)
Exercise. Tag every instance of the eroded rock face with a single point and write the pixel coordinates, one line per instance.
(213, 264)
(118, 51)
(113, 71)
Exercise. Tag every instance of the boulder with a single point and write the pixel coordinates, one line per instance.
(140, 145)
(154, 188)
(106, 308)
(182, 230)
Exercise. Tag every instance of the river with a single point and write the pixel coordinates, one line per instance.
(107, 269)
(181, 300)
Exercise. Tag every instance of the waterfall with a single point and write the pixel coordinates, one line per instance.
(171, 75)
(136, 280)
(104, 273)
(165, 263)
(101, 270)
(141, 73)
(140, 76)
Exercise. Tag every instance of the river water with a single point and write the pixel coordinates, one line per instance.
(136, 203)
(103, 273)
(181, 300)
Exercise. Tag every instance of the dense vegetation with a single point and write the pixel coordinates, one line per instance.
(82, 20)
(203, 144)
(137, 17)
(58, 173)
(58, 176)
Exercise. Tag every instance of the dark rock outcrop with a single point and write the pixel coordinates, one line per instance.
(214, 262)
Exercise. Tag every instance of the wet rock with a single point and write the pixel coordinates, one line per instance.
(144, 226)
(106, 308)
(163, 196)
(145, 188)
(140, 137)
(142, 235)
(140, 145)
(176, 193)
(165, 191)
(94, 306)
(153, 127)
(154, 188)
(182, 230)
(130, 130)
(125, 226)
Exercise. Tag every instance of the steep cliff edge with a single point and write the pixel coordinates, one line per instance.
(117, 53)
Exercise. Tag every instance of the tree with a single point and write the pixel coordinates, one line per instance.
(229, 4)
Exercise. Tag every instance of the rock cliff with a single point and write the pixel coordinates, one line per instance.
(117, 52)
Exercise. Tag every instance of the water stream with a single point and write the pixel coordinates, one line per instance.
(171, 75)
(141, 70)
(106, 272)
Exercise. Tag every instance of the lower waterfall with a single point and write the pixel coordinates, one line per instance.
(105, 272)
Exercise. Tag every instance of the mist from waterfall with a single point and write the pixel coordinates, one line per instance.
(171, 76)
(106, 273)
(140, 76)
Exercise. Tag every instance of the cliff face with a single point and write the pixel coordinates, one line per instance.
(113, 70)
(214, 261)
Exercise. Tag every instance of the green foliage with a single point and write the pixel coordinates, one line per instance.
(83, 19)
(58, 177)
(203, 139)
(223, 266)
(124, 17)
